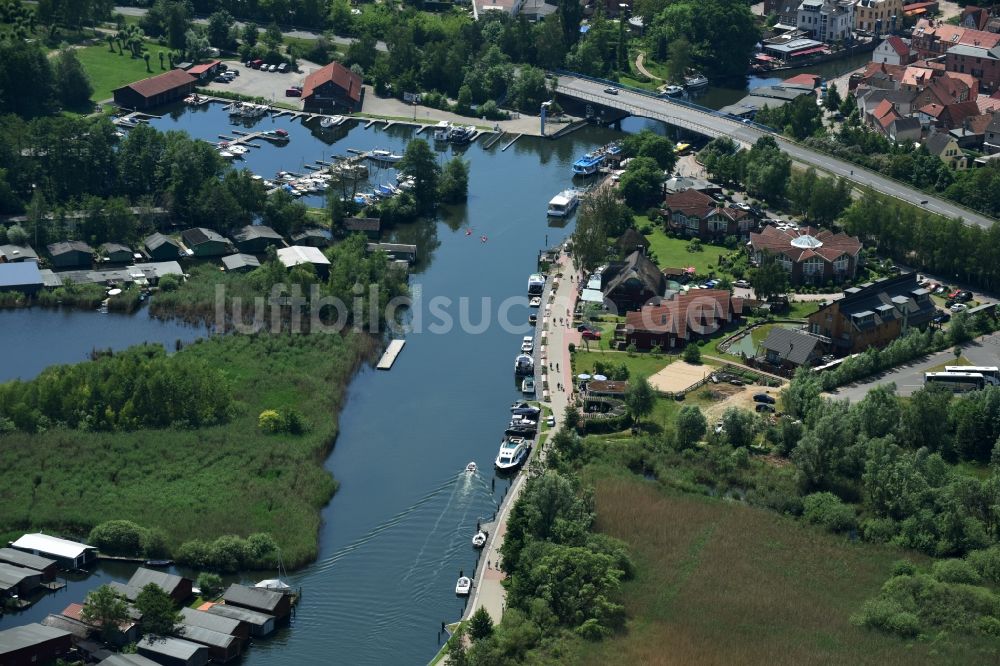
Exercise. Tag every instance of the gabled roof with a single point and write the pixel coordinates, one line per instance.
(932, 110)
(63, 247)
(362, 224)
(685, 311)
(901, 48)
(157, 85)
(631, 240)
(22, 559)
(252, 231)
(108, 248)
(175, 648)
(342, 77)
(954, 115)
(690, 203)
(202, 68)
(143, 577)
(779, 241)
(253, 597)
(256, 618)
(12, 575)
(901, 292)
(127, 660)
(21, 252)
(884, 108)
(200, 618)
(793, 346)
(302, 254)
(637, 266)
(907, 124)
(938, 142)
(201, 235)
(50, 545)
(22, 274)
(18, 638)
(237, 261)
(810, 80)
(197, 634)
(154, 241)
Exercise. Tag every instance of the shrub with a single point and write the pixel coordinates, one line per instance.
(170, 282)
(879, 530)
(119, 537)
(956, 571)
(887, 615)
(270, 421)
(827, 510)
(210, 584)
(986, 562)
(989, 625)
(692, 354)
(903, 568)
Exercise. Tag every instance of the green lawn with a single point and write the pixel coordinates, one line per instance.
(639, 364)
(109, 70)
(800, 309)
(673, 252)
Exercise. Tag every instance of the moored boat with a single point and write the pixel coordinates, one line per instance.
(463, 586)
(563, 204)
(524, 365)
(479, 540)
(513, 452)
(695, 81)
(528, 386)
(386, 156)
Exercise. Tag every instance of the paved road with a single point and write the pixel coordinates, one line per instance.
(714, 125)
(910, 377)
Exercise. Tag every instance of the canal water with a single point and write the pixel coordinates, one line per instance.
(398, 531)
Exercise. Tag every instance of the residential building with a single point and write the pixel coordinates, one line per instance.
(333, 87)
(868, 100)
(972, 133)
(879, 17)
(946, 116)
(256, 238)
(12, 254)
(905, 129)
(260, 600)
(632, 283)
(162, 248)
(810, 255)
(827, 20)
(240, 263)
(688, 316)
(71, 254)
(69, 554)
(173, 651)
(259, 624)
(681, 183)
(305, 254)
(786, 349)
(33, 644)
(873, 314)
(43, 565)
(991, 142)
(23, 277)
(785, 10)
(979, 61)
(976, 18)
(944, 146)
(206, 243)
(882, 116)
(695, 214)
(511, 7)
(115, 253)
(893, 51)
(156, 90)
(932, 38)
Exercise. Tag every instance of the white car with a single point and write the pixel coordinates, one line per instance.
(272, 68)
(527, 344)
(742, 284)
(959, 307)
(551, 421)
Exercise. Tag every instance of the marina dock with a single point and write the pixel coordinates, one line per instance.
(391, 352)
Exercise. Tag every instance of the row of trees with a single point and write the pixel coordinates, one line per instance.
(138, 388)
(763, 171)
(55, 82)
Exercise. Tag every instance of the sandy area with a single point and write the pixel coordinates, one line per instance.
(678, 376)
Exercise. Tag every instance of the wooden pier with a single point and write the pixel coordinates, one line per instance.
(511, 142)
(391, 352)
(492, 141)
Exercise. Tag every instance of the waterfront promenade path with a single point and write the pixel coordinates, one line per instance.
(488, 590)
(639, 60)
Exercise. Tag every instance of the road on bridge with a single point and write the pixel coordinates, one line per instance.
(714, 125)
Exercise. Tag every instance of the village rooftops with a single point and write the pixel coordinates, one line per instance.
(13, 253)
(302, 254)
(172, 648)
(169, 583)
(252, 231)
(200, 235)
(128, 660)
(157, 85)
(219, 623)
(25, 636)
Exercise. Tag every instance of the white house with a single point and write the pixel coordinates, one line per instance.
(892, 51)
(826, 20)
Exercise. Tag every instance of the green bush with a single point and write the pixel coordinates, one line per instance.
(879, 530)
(955, 571)
(827, 510)
(986, 562)
(119, 537)
(169, 282)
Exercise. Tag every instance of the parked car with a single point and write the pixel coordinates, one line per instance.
(941, 289)
(736, 382)
(550, 421)
(741, 205)
(764, 408)
(582, 327)
(283, 67)
(256, 64)
(959, 307)
(942, 317)
(964, 297)
(955, 294)
(764, 398)
(743, 284)
(293, 92)
(591, 335)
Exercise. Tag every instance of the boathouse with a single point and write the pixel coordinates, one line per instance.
(240, 263)
(127, 660)
(296, 255)
(24, 277)
(221, 647)
(205, 242)
(128, 630)
(33, 644)
(258, 599)
(18, 581)
(68, 554)
(43, 565)
(396, 251)
(115, 253)
(331, 87)
(173, 651)
(219, 623)
(259, 624)
(312, 238)
(12, 254)
(369, 226)
(162, 248)
(178, 587)
(156, 90)
(256, 238)
(71, 254)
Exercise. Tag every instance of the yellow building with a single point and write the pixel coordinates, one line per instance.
(868, 13)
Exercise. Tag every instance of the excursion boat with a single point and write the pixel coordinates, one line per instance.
(563, 204)
(471, 468)
(463, 586)
(513, 452)
(591, 163)
(524, 365)
(696, 81)
(442, 130)
(386, 156)
(479, 540)
(528, 386)
(673, 91)
(536, 284)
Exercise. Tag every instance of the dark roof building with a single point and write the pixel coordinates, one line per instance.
(788, 349)
(219, 623)
(696, 314)
(20, 581)
(630, 241)
(162, 248)
(71, 254)
(259, 599)
(256, 238)
(370, 226)
(873, 314)
(259, 624)
(128, 660)
(809, 255)
(222, 647)
(395, 250)
(630, 284)
(695, 213)
(312, 238)
(127, 632)
(240, 263)
(43, 565)
(156, 90)
(173, 651)
(178, 587)
(205, 242)
(330, 87)
(33, 644)
(116, 253)
(10, 254)
(24, 277)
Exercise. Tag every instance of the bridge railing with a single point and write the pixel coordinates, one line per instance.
(661, 98)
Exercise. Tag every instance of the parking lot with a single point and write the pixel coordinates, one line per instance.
(269, 85)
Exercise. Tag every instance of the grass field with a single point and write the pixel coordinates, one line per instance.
(229, 479)
(639, 364)
(722, 583)
(672, 252)
(109, 70)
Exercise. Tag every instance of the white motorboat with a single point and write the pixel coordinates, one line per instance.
(471, 468)
(535, 302)
(536, 284)
(479, 540)
(524, 365)
(326, 122)
(226, 155)
(563, 204)
(442, 130)
(520, 405)
(528, 344)
(528, 386)
(696, 81)
(387, 156)
(463, 586)
(238, 149)
(513, 452)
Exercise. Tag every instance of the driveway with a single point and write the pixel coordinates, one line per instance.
(910, 377)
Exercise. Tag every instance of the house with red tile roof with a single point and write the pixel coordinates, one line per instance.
(686, 317)
(696, 214)
(893, 50)
(810, 255)
(331, 88)
(156, 90)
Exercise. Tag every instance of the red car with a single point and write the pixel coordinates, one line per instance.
(591, 335)
(293, 92)
(955, 294)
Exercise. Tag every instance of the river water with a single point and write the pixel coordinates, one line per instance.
(397, 533)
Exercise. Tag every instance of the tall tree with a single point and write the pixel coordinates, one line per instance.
(159, 615)
(691, 426)
(420, 163)
(106, 609)
(219, 25)
(769, 279)
(71, 80)
(639, 398)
